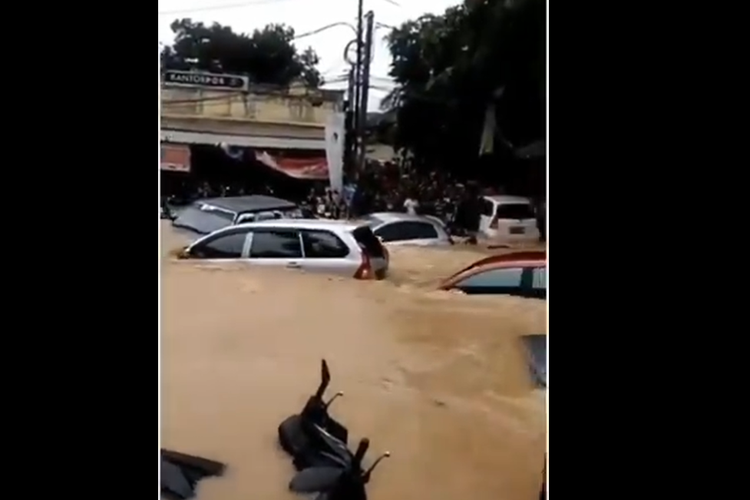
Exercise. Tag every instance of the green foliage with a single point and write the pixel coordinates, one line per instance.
(267, 55)
(449, 67)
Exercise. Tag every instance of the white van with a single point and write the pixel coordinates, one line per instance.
(508, 218)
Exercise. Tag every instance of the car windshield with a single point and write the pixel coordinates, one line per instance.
(203, 218)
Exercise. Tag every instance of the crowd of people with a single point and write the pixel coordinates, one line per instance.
(380, 188)
(386, 188)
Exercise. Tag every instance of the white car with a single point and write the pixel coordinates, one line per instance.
(317, 245)
(508, 218)
(396, 228)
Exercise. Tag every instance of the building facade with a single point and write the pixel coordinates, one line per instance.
(254, 116)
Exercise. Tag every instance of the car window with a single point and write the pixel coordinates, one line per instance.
(539, 278)
(259, 216)
(323, 245)
(487, 207)
(276, 244)
(225, 246)
(515, 211)
(507, 277)
(402, 231)
(245, 218)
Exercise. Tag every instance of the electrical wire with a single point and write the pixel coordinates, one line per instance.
(322, 29)
(383, 25)
(325, 28)
(208, 8)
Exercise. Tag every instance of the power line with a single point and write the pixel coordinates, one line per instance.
(386, 26)
(324, 28)
(219, 7)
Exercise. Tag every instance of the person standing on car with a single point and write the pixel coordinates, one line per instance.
(411, 205)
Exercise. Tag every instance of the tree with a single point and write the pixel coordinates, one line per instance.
(448, 68)
(267, 56)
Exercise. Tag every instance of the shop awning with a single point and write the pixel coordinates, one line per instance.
(299, 168)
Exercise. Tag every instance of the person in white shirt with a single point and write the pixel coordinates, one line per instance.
(411, 206)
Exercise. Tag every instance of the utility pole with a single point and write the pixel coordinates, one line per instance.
(358, 77)
(350, 156)
(364, 91)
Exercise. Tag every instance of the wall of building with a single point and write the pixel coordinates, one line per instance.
(296, 106)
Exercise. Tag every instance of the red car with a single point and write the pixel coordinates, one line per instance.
(523, 274)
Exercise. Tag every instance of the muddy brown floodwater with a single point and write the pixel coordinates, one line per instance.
(436, 378)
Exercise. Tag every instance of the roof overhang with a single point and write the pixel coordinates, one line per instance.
(248, 141)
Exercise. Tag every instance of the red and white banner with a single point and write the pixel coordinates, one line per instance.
(175, 157)
(299, 168)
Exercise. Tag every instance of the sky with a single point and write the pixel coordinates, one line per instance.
(308, 15)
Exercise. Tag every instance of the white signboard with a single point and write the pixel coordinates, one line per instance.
(174, 78)
(334, 137)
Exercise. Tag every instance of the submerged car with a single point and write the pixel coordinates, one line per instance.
(536, 355)
(508, 218)
(396, 228)
(208, 215)
(523, 274)
(317, 245)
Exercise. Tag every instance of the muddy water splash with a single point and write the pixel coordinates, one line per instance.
(435, 378)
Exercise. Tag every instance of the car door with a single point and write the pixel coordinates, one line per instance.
(325, 252)
(280, 247)
(498, 281)
(229, 245)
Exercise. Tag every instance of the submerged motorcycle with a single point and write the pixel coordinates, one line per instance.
(346, 482)
(313, 437)
(180, 473)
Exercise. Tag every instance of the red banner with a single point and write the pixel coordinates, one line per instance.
(175, 157)
(299, 168)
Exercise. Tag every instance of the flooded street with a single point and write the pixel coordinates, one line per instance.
(436, 378)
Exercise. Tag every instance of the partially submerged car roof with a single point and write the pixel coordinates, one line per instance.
(519, 256)
(251, 203)
(207, 215)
